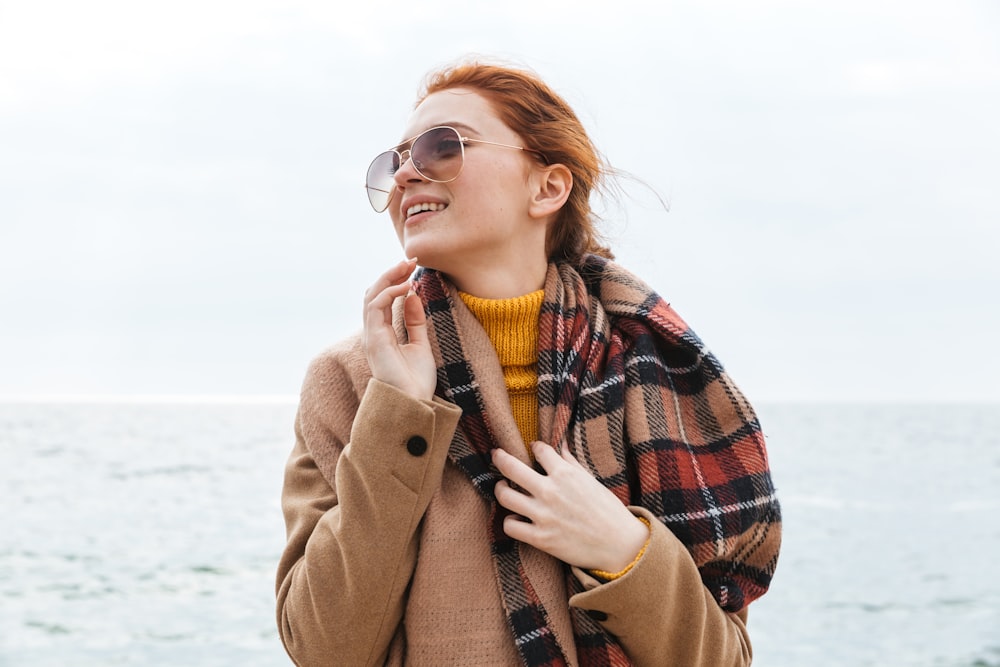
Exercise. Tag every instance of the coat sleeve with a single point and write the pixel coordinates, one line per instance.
(662, 613)
(352, 518)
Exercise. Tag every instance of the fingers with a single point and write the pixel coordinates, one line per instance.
(570, 457)
(515, 501)
(514, 470)
(395, 277)
(408, 365)
(566, 512)
(527, 477)
(519, 529)
(546, 455)
(380, 296)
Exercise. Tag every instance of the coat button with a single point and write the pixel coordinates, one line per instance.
(597, 614)
(416, 445)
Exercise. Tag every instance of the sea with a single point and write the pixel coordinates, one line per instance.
(147, 533)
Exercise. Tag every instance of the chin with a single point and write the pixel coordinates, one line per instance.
(427, 252)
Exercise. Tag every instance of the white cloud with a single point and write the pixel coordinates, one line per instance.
(176, 177)
(53, 51)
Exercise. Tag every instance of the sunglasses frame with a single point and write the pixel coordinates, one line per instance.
(462, 141)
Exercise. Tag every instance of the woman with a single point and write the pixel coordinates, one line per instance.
(526, 457)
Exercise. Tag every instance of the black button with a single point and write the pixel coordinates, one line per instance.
(416, 445)
(597, 614)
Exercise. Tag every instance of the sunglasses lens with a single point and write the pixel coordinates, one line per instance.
(437, 154)
(379, 181)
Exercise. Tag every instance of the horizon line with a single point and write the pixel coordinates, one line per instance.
(151, 399)
(291, 399)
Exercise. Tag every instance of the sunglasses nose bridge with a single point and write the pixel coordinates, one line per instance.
(406, 158)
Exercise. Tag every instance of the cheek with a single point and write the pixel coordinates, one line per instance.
(397, 224)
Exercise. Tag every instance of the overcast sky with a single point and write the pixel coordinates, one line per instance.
(182, 211)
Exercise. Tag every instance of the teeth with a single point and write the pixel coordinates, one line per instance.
(426, 206)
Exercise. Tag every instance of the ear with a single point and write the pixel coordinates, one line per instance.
(550, 188)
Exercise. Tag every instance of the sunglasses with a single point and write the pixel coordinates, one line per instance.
(438, 155)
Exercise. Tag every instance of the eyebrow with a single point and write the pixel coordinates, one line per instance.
(462, 126)
(458, 125)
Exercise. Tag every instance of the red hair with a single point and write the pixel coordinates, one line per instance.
(547, 124)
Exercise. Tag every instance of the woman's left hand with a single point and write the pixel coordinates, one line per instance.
(566, 512)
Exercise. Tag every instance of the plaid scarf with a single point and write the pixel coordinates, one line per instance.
(617, 365)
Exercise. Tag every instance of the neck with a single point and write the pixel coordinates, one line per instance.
(500, 281)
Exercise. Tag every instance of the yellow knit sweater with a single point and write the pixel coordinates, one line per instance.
(512, 325)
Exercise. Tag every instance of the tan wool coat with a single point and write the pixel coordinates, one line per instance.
(388, 555)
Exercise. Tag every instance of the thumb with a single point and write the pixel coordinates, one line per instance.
(414, 318)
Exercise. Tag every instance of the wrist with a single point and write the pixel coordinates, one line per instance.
(633, 547)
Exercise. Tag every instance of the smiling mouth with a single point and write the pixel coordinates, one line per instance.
(425, 206)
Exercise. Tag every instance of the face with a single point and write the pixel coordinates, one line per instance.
(480, 219)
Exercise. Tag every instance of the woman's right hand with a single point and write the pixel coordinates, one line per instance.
(408, 366)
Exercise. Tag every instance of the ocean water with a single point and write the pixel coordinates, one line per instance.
(147, 534)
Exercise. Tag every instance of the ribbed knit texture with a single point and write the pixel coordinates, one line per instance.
(512, 326)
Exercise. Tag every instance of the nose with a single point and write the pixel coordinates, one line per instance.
(406, 173)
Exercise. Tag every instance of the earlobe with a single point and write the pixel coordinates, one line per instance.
(552, 185)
